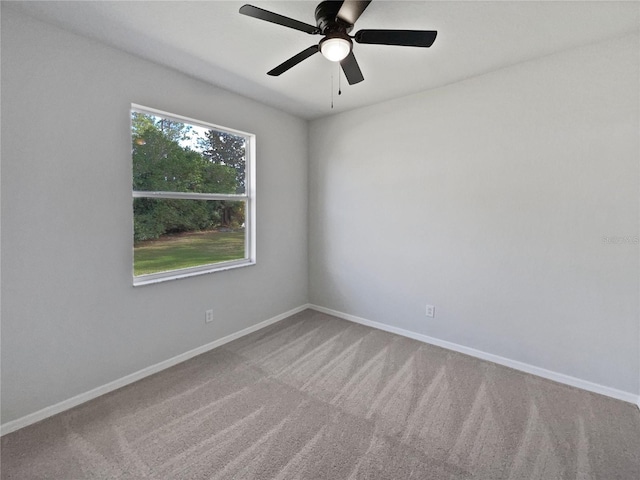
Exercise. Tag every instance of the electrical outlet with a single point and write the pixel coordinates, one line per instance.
(208, 316)
(431, 311)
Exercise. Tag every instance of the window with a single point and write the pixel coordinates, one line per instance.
(193, 197)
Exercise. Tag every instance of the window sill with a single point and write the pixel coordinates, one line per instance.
(152, 278)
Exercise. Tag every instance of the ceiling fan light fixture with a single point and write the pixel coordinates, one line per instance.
(335, 48)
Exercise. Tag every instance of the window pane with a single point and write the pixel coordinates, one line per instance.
(172, 234)
(172, 156)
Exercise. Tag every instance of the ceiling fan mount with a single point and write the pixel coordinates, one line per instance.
(335, 20)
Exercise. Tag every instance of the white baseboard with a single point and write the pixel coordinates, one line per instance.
(524, 367)
(158, 367)
(134, 377)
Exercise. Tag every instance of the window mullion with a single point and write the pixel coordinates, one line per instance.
(189, 195)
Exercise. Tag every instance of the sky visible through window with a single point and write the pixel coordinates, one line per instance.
(196, 137)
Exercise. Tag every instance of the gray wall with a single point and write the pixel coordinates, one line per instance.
(71, 320)
(490, 199)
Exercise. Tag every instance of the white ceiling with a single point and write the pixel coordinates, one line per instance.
(211, 41)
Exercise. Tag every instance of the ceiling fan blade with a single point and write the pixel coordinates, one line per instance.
(408, 38)
(351, 10)
(268, 16)
(351, 69)
(293, 61)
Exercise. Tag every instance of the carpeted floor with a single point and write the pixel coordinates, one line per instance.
(316, 397)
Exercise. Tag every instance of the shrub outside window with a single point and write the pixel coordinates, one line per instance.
(193, 196)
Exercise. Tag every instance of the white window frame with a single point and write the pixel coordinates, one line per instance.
(249, 199)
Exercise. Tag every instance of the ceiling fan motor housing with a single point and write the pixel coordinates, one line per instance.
(327, 18)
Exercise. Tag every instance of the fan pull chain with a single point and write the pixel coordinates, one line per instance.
(332, 91)
(333, 83)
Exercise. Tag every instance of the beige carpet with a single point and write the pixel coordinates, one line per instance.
(316, 397)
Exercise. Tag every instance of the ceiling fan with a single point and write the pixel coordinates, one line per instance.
(335, 19)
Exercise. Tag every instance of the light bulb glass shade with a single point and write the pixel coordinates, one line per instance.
(335, 49)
